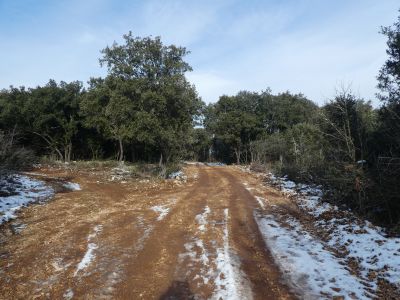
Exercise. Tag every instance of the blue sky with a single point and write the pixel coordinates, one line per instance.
(307, 46)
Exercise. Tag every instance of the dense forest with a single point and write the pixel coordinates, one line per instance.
(145, 110)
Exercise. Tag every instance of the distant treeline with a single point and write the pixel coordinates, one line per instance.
(146, 110)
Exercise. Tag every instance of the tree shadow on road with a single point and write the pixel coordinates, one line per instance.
(177, 291)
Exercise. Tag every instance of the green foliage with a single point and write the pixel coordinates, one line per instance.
(389, 75)
(348, 123)
(12, 103)
(389, 84)
(200, 145)
(52, 113)
(145, 58)
(145, 100)
(240, 120)
(49, 113)
(280, 112)
(387, 137)
(305, 154)
(107, 108)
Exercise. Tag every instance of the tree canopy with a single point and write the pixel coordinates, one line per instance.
(145, 98)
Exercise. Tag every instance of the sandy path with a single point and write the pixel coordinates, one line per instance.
(144, 241)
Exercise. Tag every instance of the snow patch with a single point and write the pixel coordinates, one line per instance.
(21, 191)
(366, 245)
(87, 258)
(246, 186)
(312, 269)
(212, 263)
(179, 175)
(72, 186)
(230, 283)
(201, 219)
(139, 245)
(89, 255)
(260, 201)
(215, 164)
(196, 251)
(162, 210)
(69, 294)
(360, 241)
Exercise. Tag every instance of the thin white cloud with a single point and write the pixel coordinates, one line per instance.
(178, 21)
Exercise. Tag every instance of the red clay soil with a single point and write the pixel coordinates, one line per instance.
(143, 240)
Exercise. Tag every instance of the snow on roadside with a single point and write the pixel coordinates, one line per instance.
(377, 256)
(260, 201)
(215, 164)
(313, 271)
(246, 186)
(230, 283)
(178, 175)
(22, 191)
(89, 255)
(72, 186)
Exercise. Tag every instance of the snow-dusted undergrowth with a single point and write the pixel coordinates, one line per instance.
(377, 255)
(311, 269)
(24, 190)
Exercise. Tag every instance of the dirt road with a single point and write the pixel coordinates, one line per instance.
(144, 240)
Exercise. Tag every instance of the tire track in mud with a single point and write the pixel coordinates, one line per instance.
(207, 266)
(153, 271)
(257, 262)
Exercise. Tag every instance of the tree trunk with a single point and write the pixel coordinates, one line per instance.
(237, 153)
(121, 150)
(161, 160)
(67, 152)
